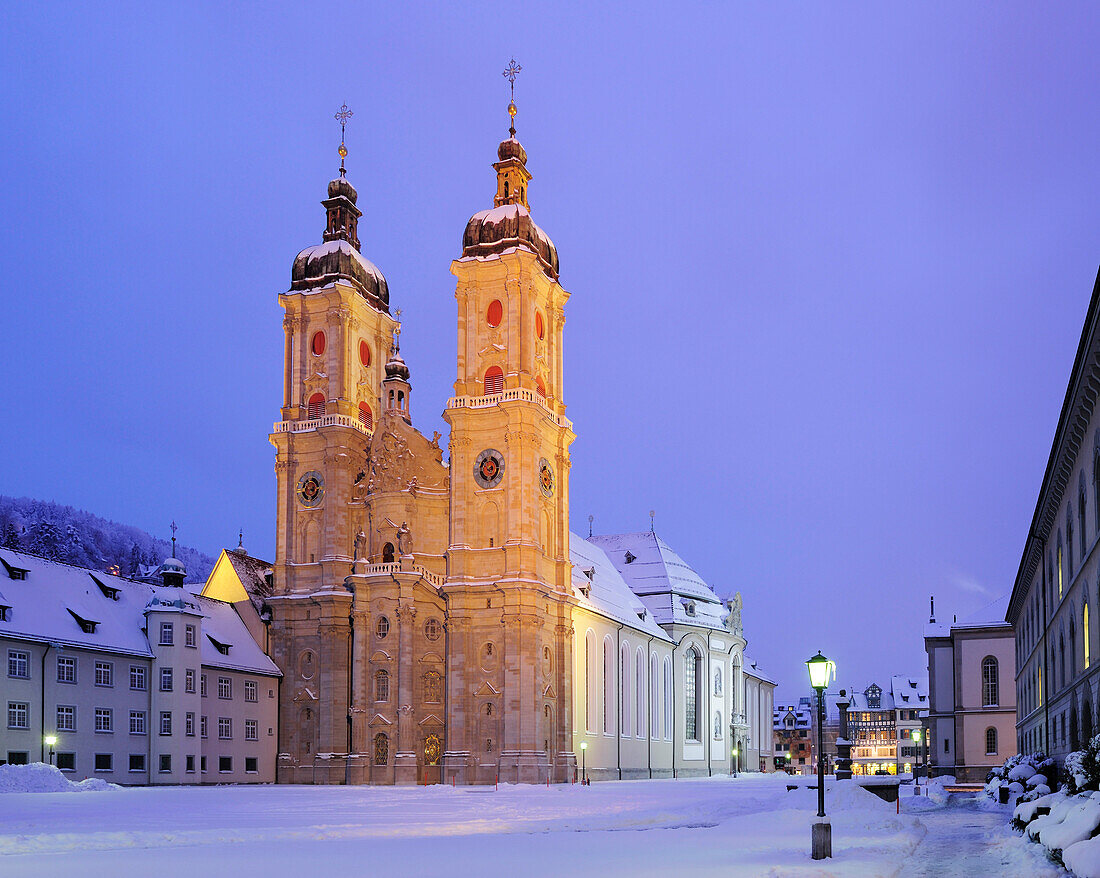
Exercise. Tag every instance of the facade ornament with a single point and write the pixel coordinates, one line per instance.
(733, 620)
(404, 539)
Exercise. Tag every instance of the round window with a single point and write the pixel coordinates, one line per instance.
(382, 628)
(495, 313)
(317, 345)
(432, 629)
(364, 353)
(540, 330)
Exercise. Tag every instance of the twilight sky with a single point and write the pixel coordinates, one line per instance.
(829, 268)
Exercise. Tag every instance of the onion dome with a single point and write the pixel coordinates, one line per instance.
(172, 572)
(338, 258)
(395, 366)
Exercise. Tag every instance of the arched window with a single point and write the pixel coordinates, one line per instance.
(691, 695)
(381, 685)
(990, 688)
(494, 380)
(1062, 658)
(1072, 671)
(589, 687)
(608, 687)
(382, 627)
(1059, 571)
(735, 687)
(990, 741)
(316, 406)
(387, 553)
(639, 694)
(1085, 638)
(668, 697)
(505, 188)
(1069, 542)
(1096, 480)
(381, 749)
(624, 689)
(654, 708)
(1081, 512)
(366, 416)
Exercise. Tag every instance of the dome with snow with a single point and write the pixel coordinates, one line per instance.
(510, 225)
(323, 264)
(172, 565)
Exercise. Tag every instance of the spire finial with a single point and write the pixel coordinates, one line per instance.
(652, 512)
(240, 540)
(397, 331)
(174, 529)
(510, 74)
(591, 518)
(342, 117)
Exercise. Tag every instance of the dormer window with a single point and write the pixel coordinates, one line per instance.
(689, 608)
(108, 591)
(18, 573)
(88, 626)
(590, 573)
(4, 613)
(630, 557)
(223, 648)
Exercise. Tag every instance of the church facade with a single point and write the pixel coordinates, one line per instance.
(434, 617)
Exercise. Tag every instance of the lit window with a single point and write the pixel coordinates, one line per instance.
(1085, 632)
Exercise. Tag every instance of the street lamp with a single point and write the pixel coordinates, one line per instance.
(821, 841)
(584, 763)
(734, 762)
(916, 775)
(50, 741)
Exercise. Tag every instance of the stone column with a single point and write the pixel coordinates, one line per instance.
(843, 745)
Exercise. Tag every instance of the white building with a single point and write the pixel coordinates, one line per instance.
(139, 683)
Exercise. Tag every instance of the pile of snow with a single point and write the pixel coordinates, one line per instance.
(1065, 825)
(1027, 776)
(37, 777)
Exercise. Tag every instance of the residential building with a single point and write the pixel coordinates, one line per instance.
(793, 726)
(881, 725)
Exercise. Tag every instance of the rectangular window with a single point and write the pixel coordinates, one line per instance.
(225, 687)
(945, 745)
(189, 724)
(188, 681)
(190, 764)
(66, 761)
(165, 679)
(104, 762)
(103, 674)
(225, 728)
(66, 669)
(251, 730)
(202, 727)
(225, 763)
(137, 762)
(66, 718)
(137, 678)
(18, 757)
(250, 692)
(165, 763)
(19, 713)
(202, 764)
(189, 636)
(103, 720)
(250, 764)
(19, 664)
(137, 722)
(166, 635)
(202, 685)
(166, 722)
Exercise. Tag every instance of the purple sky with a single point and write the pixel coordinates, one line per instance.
(828, 268)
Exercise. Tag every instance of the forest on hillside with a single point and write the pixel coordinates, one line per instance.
(62, 533)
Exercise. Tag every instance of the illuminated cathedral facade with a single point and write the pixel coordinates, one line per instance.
(434, 617)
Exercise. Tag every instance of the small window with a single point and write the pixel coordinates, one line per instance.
(165, 763)
(251, 730)
(188, 681)
(225, 687)
(387, 553)
(366, 416)
(104, 762)
(316, 408)
(202, 685)
(104, 675)
(225, 764)
(540, 330)
(166, 722)
(990, 741)
(190, 764)
(167, 634)
(189, 635)
(137, 678)
(494, 380)
(250, 764)
(317, 345)
(189, 725)
(19, 664)
(382, 627)
(495, 313)
(165, 679)
(202, 764)
(540, 386)
(250, 693)
(364, 353)
(66, 761)
(225, 728)
(18, 757)
(137, 762)
(66, 669)
(202, 727)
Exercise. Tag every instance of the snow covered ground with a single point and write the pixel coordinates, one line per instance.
(750, 826)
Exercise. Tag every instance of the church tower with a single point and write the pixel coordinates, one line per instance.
(338, 330)
(509, 574)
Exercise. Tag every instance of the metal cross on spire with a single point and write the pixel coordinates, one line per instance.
(174, 529)
(342, 117)
(397, 331)
(510, 74)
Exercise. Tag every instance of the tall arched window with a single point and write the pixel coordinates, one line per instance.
(494, 380)
(589, 687)
(735, 687)
(1059, 571)
(316, 407)
(1085, 638)
(381, 749)
(654, 709)
(387, 553)
(1072, 670)
(1069, 542)
(990, 687)
(990, 741)
(639, 693)
(1062, 657)
(1081, 512)
(1096, 480)
(667, 701)
(624, 690)
(691, 693)
(381, 685)
(608, 686)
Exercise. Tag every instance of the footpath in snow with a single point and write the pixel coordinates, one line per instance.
(748, 827)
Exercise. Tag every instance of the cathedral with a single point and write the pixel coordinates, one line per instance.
(433, 616)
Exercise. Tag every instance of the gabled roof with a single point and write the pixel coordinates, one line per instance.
(607, 591)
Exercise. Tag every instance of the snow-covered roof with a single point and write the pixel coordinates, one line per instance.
(754, 670)
(909, 692)
(664, 581)
(50, 604)
(801, 715)
(607, 591)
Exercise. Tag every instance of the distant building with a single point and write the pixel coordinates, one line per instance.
(1055, 589)
(793, 729)
(972, 719)
(881, 723)
(139, 683)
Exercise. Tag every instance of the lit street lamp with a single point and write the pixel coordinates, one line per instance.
(735, 762)
(821, 841)
(50, 741)
(584, 763)
(916, 775)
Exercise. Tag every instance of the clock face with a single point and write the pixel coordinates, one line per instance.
(311, 489)
(546, 477)
(489, 468)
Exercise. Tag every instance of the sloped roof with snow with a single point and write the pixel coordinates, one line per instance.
(607, 591)
(909, 692)
(754, 670)
(664, 581)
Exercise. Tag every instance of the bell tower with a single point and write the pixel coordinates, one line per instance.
(509, 574)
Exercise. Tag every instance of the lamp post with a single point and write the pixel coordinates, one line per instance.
(821, 841)
(50, 741)
(916, 759)
(735, 762)
(584, 763)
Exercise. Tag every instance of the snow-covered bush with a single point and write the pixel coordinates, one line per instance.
(1081, 771)
(1027, 775)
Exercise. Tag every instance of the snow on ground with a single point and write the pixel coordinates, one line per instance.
(748, 827)
(41, 778)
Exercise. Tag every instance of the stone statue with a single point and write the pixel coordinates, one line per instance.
(717, 727)
(404, 540)
(733, 620)
(718, 680)
(360, 546)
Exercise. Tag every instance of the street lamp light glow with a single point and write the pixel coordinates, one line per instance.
(820, 669)
(584, 745)
(51, 740)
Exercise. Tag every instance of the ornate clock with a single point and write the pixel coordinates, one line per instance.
(489, 468)
(546, 477)
(311, 489)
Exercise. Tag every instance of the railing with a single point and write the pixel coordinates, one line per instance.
(391, 567)
(519, 393)
(323, 421)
